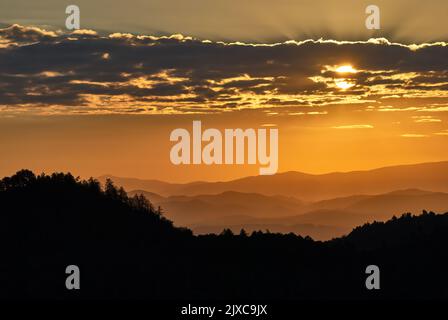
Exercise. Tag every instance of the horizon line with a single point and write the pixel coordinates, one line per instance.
(276, 174)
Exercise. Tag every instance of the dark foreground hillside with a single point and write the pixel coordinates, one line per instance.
(126, 249)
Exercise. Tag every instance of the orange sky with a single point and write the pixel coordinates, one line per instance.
(95, 103)
(138, 146)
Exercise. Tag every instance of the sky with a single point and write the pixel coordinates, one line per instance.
(235, 20)
(104, 99)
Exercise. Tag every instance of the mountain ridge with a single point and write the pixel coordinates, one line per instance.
(321, 220)
(431, 176)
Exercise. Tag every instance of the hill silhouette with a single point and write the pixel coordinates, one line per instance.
(310, 187)
(125, 248)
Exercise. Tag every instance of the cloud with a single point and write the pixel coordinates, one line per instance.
(85, 32)
(20, 35)
(434, 109)
(354, 126)
(413, 135)
(82, 71)
(426, 119)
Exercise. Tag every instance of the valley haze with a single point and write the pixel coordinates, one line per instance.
(321, 206)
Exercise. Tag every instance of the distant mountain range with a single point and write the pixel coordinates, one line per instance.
(321, 206)
(309, 187)
(321, 220)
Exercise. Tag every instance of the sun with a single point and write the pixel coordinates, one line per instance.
(343, 84)
(346, 69)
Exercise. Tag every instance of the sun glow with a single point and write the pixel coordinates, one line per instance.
(346, 69)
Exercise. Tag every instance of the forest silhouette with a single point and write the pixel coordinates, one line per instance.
(126, 249)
